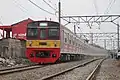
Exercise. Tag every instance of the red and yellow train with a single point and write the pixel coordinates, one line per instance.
(48, 42)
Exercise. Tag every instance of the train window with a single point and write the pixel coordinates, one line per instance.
(42, 33)
(70, 41)
(73, 42)
(66, 40)
(33, 24)
(53, 33)
(32, 33)
(53, 24)
(79, 45)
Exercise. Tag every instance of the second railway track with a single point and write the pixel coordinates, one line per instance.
(93, 74)
(18, 69)
(66, 70)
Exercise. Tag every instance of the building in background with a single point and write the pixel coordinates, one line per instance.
(13, 45)
(18, 30)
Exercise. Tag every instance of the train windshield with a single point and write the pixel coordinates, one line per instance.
(32, 33)
(43, 34)
(53, 33)
(43, 30)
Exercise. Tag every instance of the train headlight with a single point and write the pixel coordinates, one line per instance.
(32, 55)
(53, 55)
(55, 44)
(30, 43)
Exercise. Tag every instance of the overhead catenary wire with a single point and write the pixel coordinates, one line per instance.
(84, 36)
(49, 5)
(80, 30)
(95, 5)
(56, 9)
(53, 4)
(19, 5)
(1, 21)
(109, 6)
(110, 2)
(40, 7)
(22, 8)
(96, 10)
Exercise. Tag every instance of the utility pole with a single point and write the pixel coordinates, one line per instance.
(59, 5)
(113, 45)
(91, 38)
(105, 43)
(118, 36)
(74, 29)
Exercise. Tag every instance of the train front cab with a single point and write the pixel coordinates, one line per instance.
(43, 42)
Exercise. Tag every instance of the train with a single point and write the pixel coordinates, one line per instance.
(49, 42)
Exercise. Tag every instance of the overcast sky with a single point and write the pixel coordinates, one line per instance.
(13, 11)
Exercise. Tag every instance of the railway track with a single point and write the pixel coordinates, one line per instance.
(70, 69)
(21, 68)
(57, 74)
(92, 75)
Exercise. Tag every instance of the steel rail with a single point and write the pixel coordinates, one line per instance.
(69, 69)
(11, 68)
(94, 72)
(18, 69)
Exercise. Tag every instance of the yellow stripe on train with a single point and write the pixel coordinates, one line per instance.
(43, 44)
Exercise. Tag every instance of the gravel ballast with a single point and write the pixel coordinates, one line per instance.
(80, 73)
(110, 70)
(38, 73)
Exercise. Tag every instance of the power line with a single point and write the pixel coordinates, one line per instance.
(81, 31)
(1, 21)
(40, 7)
(23, 8)
(15, 1)
(20, 7)
(109, 6)
(49, 5)
(106, 11)
(53, 4)
(95, 5)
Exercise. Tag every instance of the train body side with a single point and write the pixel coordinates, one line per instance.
(70, 43)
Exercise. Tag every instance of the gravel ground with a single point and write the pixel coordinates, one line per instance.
(110, 70)
(39, 72)
(80, 73)
(17, 63)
